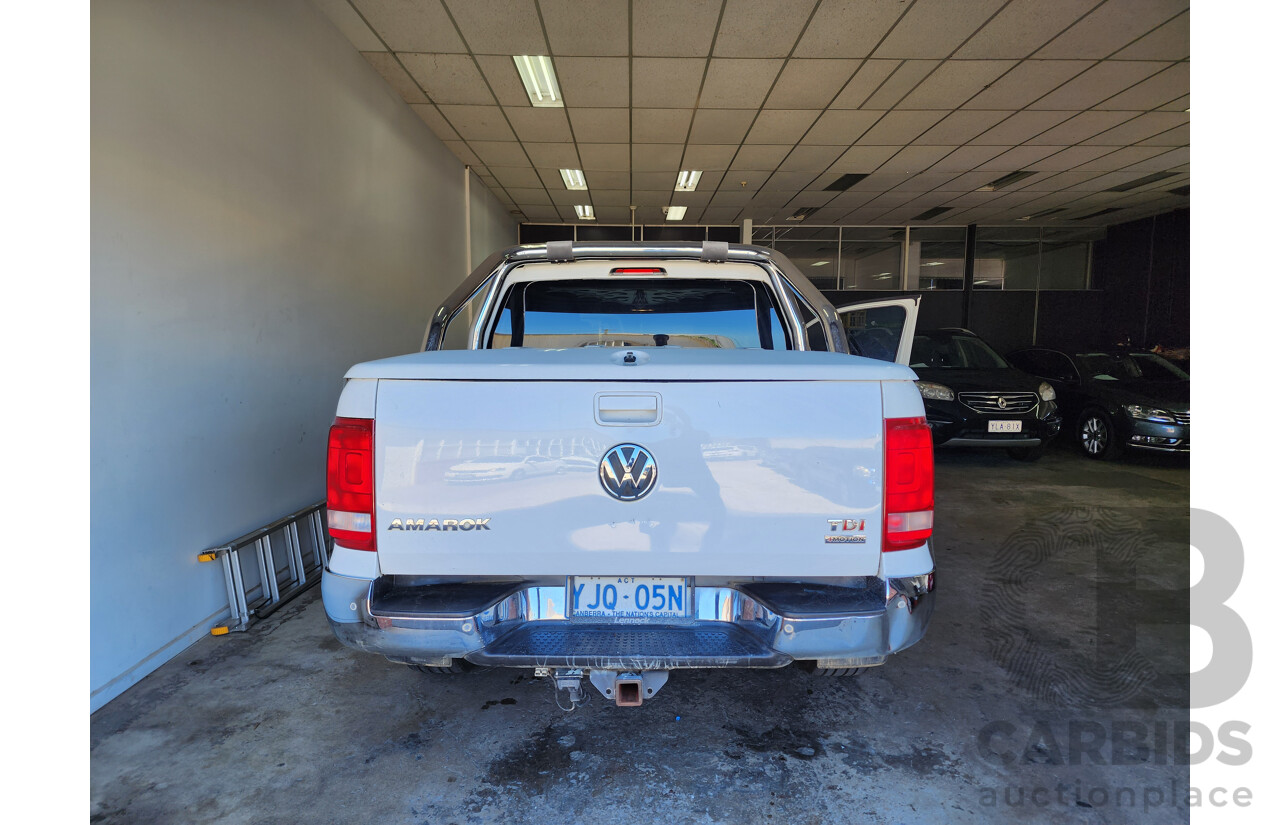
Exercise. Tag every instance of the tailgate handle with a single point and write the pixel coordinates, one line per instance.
(633, 409)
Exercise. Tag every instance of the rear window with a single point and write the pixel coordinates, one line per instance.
(639, 313)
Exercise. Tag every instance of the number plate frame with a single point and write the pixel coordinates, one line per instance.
(627, 592)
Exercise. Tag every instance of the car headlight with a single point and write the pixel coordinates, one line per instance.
(935, 392)
(1149, 413)
(1046, 392)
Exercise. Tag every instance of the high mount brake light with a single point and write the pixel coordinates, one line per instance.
(350, 483)
(638, 270)
(908, 483)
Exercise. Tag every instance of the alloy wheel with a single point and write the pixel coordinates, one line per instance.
(1094, 435)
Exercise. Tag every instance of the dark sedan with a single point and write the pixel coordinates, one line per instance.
(974, 398)
(1117, 398)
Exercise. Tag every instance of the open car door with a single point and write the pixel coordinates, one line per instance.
(883, 330)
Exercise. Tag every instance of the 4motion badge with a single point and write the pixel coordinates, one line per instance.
(847, 531)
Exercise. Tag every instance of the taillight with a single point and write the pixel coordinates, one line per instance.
(908, 483)
(350, 483)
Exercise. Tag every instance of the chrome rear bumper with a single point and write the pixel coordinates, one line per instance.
(749, 625)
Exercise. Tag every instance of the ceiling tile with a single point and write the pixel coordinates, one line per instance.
(705, 157)
(954, 82)
(606, 180)
(864, 159)
(691, 199)
(1172, 84)
(593, 81)
(1069, 157)
(1172, 41)
(1178, 136)
(1019, 128)
(519, 177)
(788, 181)
(500, 153)
(722, 215)
(926, 181)
(539, 213)
(1098, 83)
(967, 157)
(412, 25)
(743, 180)
(935, 28)
(721, 125)
(1114, 25)
(553, 155)
(1122, 159)
(656, 157)
(386, 65)
(1139, 128)
(1022, 27)
(760, 28)
(611, 197)
(810, 84)
(503, 27)
(350, 23)
(666, 82)
(463, 152)
(449, 78)
(1058, 184)
(613, 215)
(431, 116)
(1082, 126)
(605, 157)
(565, 197)
(674, 28)
(504, 80)
(899, 84)
(660, 125)
(760, 156)
(734, 83)
(781, 125)
(848, 28)
(1167, 161)
(597, 29)
(478, 122)
(960, 127)
(654, 182)
(1026, 82)
(539, 125)
(915, 159)
(900, 127)
(864, 82)
(1018, 158)
(811, 158)
(842, 127)
(600, 125)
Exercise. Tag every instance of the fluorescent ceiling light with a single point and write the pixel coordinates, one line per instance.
(675, 213)
(932, 263)
(688, 180)
(819, 263)
(573, 179)
(539, 80)
(586, 213)
(884, 275)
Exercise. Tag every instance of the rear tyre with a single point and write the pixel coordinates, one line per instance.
(1097, 436)
(458, 666)
(1027, 453)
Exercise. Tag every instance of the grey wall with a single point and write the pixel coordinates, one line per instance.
(265, 212)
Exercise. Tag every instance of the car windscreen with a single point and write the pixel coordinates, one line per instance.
(961, 352)
(1128, 366)
(620, 312)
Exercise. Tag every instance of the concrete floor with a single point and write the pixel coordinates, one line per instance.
(281, 724)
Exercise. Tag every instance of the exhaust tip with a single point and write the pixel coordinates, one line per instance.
(626, 693)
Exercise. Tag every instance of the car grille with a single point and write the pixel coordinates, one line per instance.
(1015, 403)
(1182, 417)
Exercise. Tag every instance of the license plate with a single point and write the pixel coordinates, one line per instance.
(629, 597)
(1004, 426)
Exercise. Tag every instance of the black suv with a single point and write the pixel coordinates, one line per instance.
(974, 398)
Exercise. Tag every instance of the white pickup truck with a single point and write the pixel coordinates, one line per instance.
(616, 460)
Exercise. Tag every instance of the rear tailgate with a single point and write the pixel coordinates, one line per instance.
(767, 464)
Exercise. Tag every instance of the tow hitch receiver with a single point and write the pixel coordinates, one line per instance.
(628, 690)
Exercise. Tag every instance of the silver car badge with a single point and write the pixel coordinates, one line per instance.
(628, 472)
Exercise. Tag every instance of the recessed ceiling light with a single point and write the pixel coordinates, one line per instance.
(573, 179)
(1006, 180)
(688, 180)
(819, 263)
(932, 263)
(675, 213)
(539, 80)
(883, 275)
(586, 213)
